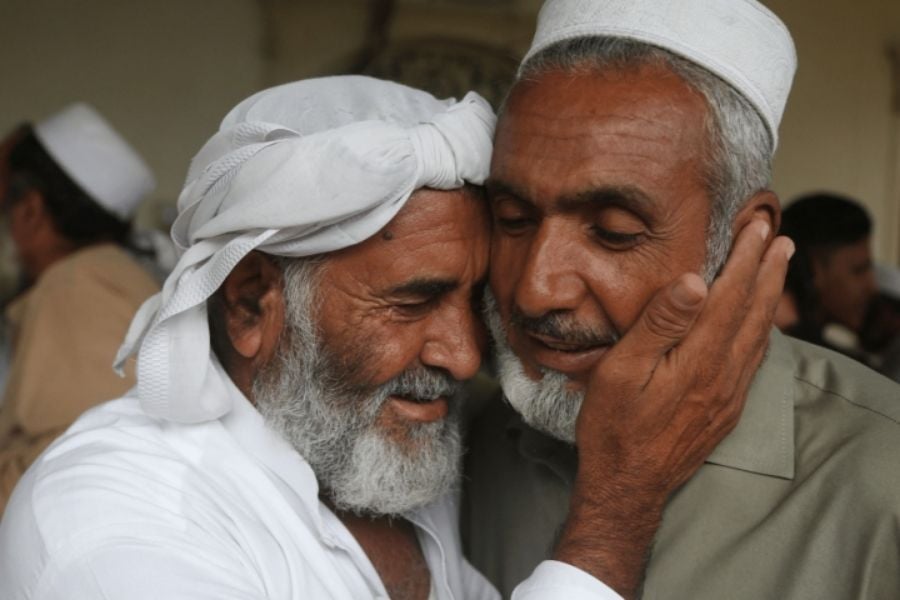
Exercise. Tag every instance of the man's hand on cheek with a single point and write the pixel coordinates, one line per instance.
(661, 400)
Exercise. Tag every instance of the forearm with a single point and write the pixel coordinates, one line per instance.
(609, 533)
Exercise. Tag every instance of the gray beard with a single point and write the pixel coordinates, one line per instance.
(547, 405)
(307, 396)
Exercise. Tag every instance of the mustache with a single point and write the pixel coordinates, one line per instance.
(422, 383)
(563, 326)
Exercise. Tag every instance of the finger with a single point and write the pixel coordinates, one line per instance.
(753, 333)
(732, 331)
(750, 342)
(733, 290)
(663, 324)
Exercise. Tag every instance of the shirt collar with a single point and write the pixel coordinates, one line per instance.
(762, 442)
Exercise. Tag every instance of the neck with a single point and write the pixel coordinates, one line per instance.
(39, 262)
(391, 544)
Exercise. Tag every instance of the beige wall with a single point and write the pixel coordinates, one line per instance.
(163, 72)
(839, 132)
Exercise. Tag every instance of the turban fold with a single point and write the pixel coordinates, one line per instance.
(298, 170)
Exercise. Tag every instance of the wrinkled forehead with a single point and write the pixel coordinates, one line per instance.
(437, 234)
(634, 127)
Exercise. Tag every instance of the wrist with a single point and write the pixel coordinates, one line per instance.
(609, 532)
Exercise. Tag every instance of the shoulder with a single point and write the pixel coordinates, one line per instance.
(825, 375)
(123, 497)
(110, 448)
(101, 266)
(848, 417)
(116, 471)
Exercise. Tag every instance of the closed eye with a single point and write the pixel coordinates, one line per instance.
(513, 225)
(414, 306)
(418, 296)
(616, 240)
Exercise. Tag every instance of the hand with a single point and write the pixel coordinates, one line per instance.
(661, 400)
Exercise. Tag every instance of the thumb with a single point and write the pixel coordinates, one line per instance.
(665, 321)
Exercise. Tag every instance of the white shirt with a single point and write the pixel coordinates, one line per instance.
(129, 506)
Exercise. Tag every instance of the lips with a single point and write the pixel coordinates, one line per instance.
(422, 410)
(563, 345)
(573, 358)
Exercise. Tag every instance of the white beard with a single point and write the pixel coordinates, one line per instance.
(547, 405)
(305, 396)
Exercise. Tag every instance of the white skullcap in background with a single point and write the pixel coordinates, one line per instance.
(741, 41)
(97, 158)
(297, 170)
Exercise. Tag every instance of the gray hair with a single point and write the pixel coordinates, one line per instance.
(739, 155)
(301, 278)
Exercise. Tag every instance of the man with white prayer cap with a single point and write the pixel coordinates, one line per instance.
(69, 189)
(636, 145)
(294, 428)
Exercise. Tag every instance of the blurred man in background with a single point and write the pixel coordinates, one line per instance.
(69, 189)
(831, 280)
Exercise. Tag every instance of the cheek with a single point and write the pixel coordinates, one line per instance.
(508, 256)
(383, 349)
(623, 287)
(625, 282)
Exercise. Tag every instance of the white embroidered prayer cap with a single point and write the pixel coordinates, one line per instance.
(297, 170)
(741, 41)
(97, 158)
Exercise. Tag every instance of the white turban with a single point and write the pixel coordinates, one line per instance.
(297, 170)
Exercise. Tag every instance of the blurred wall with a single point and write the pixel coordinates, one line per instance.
(164, 73)
(839, 131)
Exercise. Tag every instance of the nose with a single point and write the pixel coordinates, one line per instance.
(550, 279)
(455, 341)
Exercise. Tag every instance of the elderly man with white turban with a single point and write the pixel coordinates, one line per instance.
(638, 137)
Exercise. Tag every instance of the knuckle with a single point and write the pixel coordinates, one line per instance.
(666, 322)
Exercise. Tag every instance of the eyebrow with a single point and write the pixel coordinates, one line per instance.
(627, 197)
(424, 286)
(623, 196)
(495, 187)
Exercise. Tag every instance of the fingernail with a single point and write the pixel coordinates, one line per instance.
(791, 248)
(764, 230)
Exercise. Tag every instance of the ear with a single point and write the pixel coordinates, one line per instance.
(762, 205)
(253, 305)
(30, 214)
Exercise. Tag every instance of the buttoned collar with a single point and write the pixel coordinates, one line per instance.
(762, 442)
